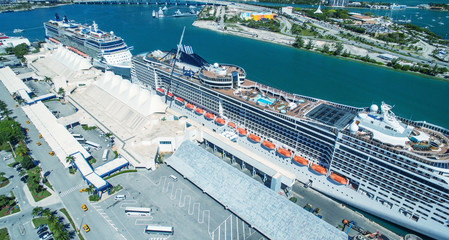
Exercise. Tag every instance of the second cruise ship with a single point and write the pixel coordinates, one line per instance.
(391, 167)
(105, 48)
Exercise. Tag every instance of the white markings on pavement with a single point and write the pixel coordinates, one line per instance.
(144, 221)
(232, 228)
(104, 215)
(67, 192)
(159, 238)
(128, 203)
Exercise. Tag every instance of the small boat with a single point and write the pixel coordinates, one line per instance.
(441, 23)
(254, 138)
(165, 8)
(170, 95)
(154, 14)
(301, 160)
(318, 169)
(189, 106)
(242, 131)
(220, 121)
(268, 145)
(284, 152)
(209, 116)
(338, 179)
(231, 124)
(17, 30)
(199, 111)
(160, 91)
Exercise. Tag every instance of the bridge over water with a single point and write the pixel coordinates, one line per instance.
(153, 2)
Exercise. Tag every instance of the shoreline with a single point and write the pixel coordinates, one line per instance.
(36, 7)
(288, 41)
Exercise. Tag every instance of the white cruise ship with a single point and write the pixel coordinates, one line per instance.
(105, 48)
(391, 167)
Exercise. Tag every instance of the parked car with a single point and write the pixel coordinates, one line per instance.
(41, 226)
(42, 230)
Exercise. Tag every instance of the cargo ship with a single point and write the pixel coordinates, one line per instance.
(386, 165)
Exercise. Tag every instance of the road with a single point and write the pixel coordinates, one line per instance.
(66, 186)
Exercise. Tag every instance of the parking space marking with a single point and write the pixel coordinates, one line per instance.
(102, 213)
(159, 238)
(145, 221)
(67, 192)
(128, 203)
(231, 228)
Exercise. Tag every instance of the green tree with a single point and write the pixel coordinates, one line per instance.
(21, 149)
(339, 49)
(27, 162)
(70, 160)
(61, 91)
(90, 189)
(10, 131)
(47, 212)
(325, 48)
(4, 109)
(299, 42)
(309, 44)
(37, 211)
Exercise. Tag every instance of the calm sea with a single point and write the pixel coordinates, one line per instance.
(302, 72)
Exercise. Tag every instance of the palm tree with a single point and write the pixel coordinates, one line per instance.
(70, 159)
(52, 219)
(47, 212)
(37, 211)
(90, 189)
(21, 149)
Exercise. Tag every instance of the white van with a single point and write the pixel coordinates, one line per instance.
(173, 177)
(120, 197)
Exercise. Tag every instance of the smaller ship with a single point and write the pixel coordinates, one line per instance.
(178, 13)
(17, 30)
(165, 8)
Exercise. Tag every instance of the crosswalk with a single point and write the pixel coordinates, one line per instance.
(68, 191)
(233, 228)
(102, 213)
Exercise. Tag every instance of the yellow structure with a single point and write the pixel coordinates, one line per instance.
(257, 16)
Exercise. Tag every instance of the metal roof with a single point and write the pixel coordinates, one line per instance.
(269, 213)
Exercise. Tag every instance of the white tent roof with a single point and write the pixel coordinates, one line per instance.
(56, 135)
(11, 81)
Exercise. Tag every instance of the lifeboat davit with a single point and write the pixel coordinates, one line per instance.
(209, 116)
(338, 179)
(318, 169)
(301, 160)
(170, 95)
(231, 124)
(180, 100)
(199, 111)
(268, 145)
(254, 138)
(189, 106)
(160, 91)
(220, 121)
(284, 152)
(242, 131)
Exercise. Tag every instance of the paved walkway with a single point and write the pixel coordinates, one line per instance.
(50, 200)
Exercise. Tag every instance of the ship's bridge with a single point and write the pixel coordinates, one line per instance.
(222, 76)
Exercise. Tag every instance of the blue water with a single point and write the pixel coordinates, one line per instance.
(285, 68)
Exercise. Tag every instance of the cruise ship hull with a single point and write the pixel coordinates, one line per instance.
(381, 180)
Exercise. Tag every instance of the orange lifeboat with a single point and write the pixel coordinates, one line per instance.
(231, 124)
(318, 169)
(54, 40)
(284, 152)
(170, 95)
(242, 131)
(220, 121)
(254, 138)
(161, 91)
(209, 116)
(268, 145)
(301, 160)
(179, 100)
(338, 179)
(199, 111)
(189, 106)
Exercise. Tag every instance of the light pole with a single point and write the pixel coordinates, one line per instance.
(12, 150)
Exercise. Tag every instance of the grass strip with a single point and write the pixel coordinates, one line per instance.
(64, 211)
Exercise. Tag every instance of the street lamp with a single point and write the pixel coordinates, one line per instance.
(13, 153)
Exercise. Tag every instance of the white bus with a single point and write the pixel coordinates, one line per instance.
(105, 154)
(155, 229)
(95, 145)
(76, 135)
(80, 139)
(137, 211)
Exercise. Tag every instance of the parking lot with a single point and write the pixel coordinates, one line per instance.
(178, 204)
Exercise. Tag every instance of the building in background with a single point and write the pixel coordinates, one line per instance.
(337, 3)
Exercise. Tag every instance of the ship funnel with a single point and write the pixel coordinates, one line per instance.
(95, 26)
(57, 17)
